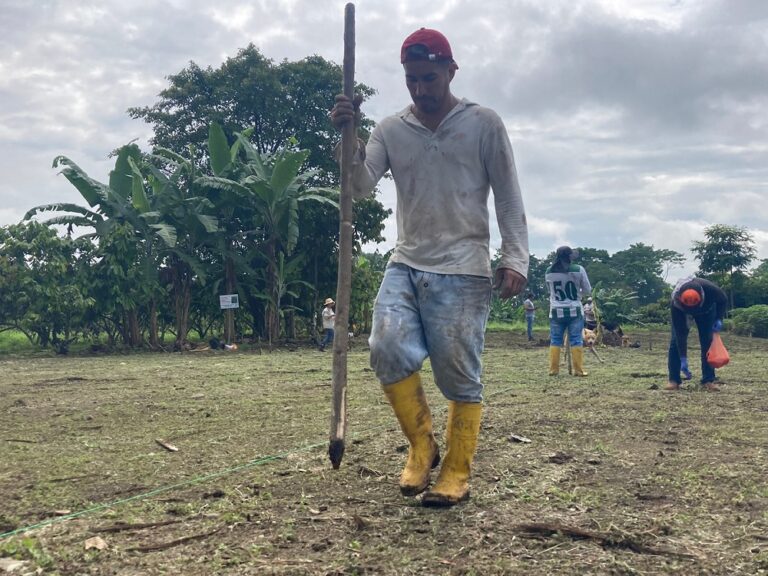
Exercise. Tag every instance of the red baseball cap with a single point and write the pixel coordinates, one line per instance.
(436, 45)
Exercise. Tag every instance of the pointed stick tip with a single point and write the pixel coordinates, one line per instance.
(336, 452)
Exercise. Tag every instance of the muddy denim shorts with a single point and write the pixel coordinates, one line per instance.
(440, 316)
(558, 327)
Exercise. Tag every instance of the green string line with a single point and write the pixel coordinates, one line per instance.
(196, 480)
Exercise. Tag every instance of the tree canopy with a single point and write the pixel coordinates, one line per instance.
(249, 91)
(726, 249)
(724, 255)
(236, 197)
(276, 103)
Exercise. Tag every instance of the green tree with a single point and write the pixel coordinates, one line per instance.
(119, 216)
(641, 269)
(537, 269)
(511, 309)
(277, 101)
(615, 306)
(726, 252)
(597, 263)
(367, 274)
(319, 243)
(192, 216)
(752, 321)
(264, 193)
(756, 289)
(41, 290)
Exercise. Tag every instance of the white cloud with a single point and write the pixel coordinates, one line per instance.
(632, 120)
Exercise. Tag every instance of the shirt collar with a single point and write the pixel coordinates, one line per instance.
(407, 115)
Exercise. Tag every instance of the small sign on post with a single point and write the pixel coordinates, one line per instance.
(229, 301)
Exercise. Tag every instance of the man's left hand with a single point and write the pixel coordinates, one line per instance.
(508, 282)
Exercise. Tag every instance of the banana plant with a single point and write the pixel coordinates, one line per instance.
(114, 208)
(263, 194)
(193, 216)
(615, 306)
(283, 282)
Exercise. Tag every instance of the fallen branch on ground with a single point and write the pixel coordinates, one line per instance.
(605, 540)
(140, 526)
(592, 349)
(172, 543)
(70, 478)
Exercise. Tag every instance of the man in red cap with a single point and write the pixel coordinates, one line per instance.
(706, 303)
(445, 155)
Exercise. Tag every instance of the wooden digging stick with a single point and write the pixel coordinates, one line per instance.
(344, 283)
(592, 349)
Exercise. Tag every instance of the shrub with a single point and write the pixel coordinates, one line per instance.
(615, 306)
(654, 313)
(752, 321)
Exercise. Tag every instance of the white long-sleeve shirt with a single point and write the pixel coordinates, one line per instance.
(443, 179)
(329, 318)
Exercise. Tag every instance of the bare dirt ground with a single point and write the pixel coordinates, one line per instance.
(619, 477)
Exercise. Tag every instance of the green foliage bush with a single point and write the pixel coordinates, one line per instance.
(654, 313)
(615, 306)
(752, 321)
(511, 310)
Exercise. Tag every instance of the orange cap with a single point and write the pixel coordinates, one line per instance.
(690, 298)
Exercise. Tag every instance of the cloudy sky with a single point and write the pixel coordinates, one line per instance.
(632, 120)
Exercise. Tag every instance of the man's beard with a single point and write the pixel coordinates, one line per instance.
(427, 105)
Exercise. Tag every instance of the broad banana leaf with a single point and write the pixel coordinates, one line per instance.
(210, 223)
(166, 232)
(138, 195)
(224, 184)
(121, 177)
(253, 157)
(218, 149)
(286, 170)
(318, 198)
(93, 191)
(63, 207)
(235, 149)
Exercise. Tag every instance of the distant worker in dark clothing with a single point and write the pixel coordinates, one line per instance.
(705, 302)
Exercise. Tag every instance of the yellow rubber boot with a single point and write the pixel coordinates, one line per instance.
(554, 360)
(412, 411)
(452, 484)
(578, 360)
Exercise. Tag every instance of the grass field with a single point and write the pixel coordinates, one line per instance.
(619, 477)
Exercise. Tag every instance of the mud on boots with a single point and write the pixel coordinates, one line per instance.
(452, 484)
(577, 353)
(554, 360)
(410, 406)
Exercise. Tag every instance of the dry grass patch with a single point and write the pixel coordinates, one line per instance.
(618, 477)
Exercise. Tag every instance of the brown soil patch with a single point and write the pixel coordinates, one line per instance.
(618, 477)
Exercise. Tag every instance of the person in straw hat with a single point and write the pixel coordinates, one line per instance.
(329, 318)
